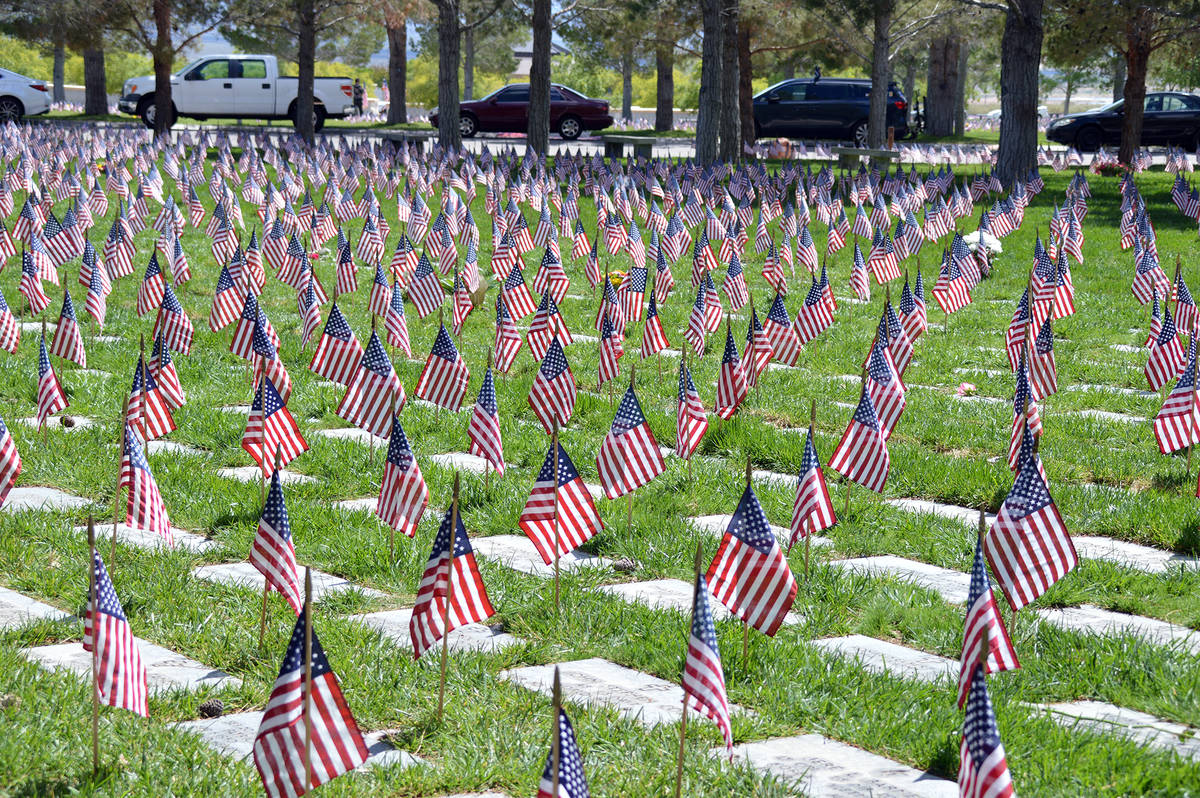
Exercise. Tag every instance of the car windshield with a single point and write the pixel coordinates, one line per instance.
(188, 68)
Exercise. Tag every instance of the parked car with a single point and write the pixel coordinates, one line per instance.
(824, 108)
(506, 110)
(1170, 118)
(21, 96)
(237, 87)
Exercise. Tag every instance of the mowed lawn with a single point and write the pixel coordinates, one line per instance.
(1107, 477)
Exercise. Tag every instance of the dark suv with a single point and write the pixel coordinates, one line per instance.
(824, 108)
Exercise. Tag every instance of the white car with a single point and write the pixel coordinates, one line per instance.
(21, 96)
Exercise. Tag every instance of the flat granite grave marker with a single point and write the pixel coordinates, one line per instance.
(41, 498)
(144, 539)
(353, 434)
(717, 524)
(1132, 555)
(243, 574)
(393, 625)
(165, 669)
(461, 460)
(254, 474)
(675, 594)
(1144, 729)
(518, 553)
(233, 736)
(177, 449)
(17, 609)
(824, 768)
(1105, 415)
(56, 422)
(965, 515)
(1088, 619)
(881, 656)
(591, 682)
(953, 586)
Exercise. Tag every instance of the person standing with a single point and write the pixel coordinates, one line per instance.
(358, 96)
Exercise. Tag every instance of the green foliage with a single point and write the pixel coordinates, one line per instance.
(28, 59)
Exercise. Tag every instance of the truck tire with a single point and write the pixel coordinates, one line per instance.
(318, 116)
(146, 110)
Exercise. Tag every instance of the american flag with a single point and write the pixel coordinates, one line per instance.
(68, 340)
(735, 285)
(912, 309)
(862, 454)
(983, 626)
(1029, 548)
(453, 558)
(1024, 410)
(31, 286)
(163, 370)
(225, 304)
(885, 387)
(346, 276)
(951, 290)
(898, 343)
(10, 331)
(338, 352)
(1156, 320)
(552, 394)
(812, 510)
(814, 316)
(445, 376)
(426, 291)
(749, 573)
(174, 323)
(144, 508)
(697, 327)
(570, 778)
(882, 260)
(703, 676)
(120, 674)
(1043, 375)
(272, 552)
(1178, 421)
(290, 758)
(147, 410)
(654, 337)
(271, 430)
(1166, 354)
(611, 352)
(10, 463)
(381, 292)
(463, 304)
(1018, 329)
(983, 769)
(150, 292)
(731, 380)
(508, 338)
(629, 456)
(484, 428)
(577, 517)
(516, 294)
(691, 422)
(374, 393)
(50, 396)
(785, 343)
(268, 360)
(1186, 314)
(403, 495)
(859, 282)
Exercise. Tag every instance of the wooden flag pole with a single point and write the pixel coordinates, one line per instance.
(812, 424)
(1195, 370)
(95, 648)
(629, 504)
(846, 481)
(262, 444)
(683, 718)
(308, 640)
(117, 490)
(487, 472)
(746, 624)
(556, 734)
(449, 595)
(554, 521)
(262, 617)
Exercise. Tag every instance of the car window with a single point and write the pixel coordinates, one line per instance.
(514, 94)
(827, 91)
(791, 92)
(556, 95)
(254, 69)
(213, 70)
(1154, 102)
(862, 91)
(1189, 102)
(1174, 102)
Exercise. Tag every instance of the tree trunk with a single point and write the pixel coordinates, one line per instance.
(960, 92)
(745, 84)
(1137, 59)
(1020, 55)
(664, 100)
(449, 135)
(1067, 93)
(398, 74)
(940, 84)
(730, 146)
(708, 114)
(1118, 77)
(627, 81)
(880, 74)
(95, 89)
(306, 58)
(468, 64)
(539, 82)
(162, 56)
(910, 84)
(60, 60)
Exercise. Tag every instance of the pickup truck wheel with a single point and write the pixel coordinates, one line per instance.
(318, 118)
(569, 127)
(468, 126)
(148, 111)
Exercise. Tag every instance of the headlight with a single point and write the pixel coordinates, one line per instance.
(433, 110)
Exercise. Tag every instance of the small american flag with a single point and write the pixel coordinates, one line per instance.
(654, 337)
(150, 292)
(731, 380)
(271, 430)
(31, 286)
(578, 520)
(50, 396)
(1178, 421)
(859, 282)
(552, 394)
(175, 324)
(516, 294)
(983, 769)
(403, 495)
(862, 455)
(951, 291)
(1029, 548)
(1043, 375)
(885, 388)
(335, 746)
(571, 781)
(749, 573)
(983, 623)
(691, 422)
(508, 338)
(272, 552)
(814, 316)
(338, 352)
(484, 428)
(144, 508)
(697, 329)
(812, 510)
(452, 557)
(10, 331)
(374, 393)
(735, 284)
(68, 340)
(611, 352)
(120, 674)
(445, 376)
(381, 292)
(1166, 353)
(629, 456)
(426, 291)
(395, 324)
(10, 463)
(147, 410)
(785, 343)
(703, 676)
(225, 302)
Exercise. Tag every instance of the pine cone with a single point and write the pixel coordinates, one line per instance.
(212, 708)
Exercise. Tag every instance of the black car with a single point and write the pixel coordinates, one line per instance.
(824, 108)
(1170, 118)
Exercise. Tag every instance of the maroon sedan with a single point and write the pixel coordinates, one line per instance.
(506, 110)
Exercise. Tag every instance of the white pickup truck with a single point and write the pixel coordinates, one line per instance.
(237, 87)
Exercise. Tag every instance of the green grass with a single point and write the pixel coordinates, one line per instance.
(496, 735)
